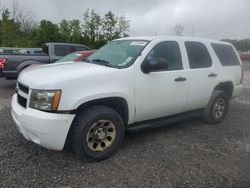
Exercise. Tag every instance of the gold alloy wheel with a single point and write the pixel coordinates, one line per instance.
(219, 108)
(101, 135)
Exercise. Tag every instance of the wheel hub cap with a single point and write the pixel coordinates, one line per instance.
(101, 135)
(219, 108)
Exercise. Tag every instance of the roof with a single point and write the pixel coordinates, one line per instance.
(67, 44)
(166, 37)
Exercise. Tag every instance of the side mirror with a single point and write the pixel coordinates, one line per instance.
(159, 64)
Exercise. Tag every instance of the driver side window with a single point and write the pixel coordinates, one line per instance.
(169, 51)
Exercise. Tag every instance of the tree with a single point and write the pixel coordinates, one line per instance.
(76, 33)
(178, 29)
(48, 32)
(19, 15)
(109, 23)
(114, 27)
(97, 31)
(18, 29)
(122, 27)
(65, 30)
(91, 27)
(9, 30)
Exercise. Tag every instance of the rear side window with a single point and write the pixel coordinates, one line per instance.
(198, 55)
(62, 50)
(226, 54)
(80, 48)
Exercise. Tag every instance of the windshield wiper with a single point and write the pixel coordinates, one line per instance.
(86, 60)
(102, 62)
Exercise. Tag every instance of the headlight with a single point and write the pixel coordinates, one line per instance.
(45, 100)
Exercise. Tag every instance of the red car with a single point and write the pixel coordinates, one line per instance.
(76, 56)
(245, 57)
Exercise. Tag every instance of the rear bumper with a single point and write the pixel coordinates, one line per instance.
(1, 73)
(9, 74)
(48, 130)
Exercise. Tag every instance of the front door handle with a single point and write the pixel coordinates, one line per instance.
(212, 75)
(180, 79)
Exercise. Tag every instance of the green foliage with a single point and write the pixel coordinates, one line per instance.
(94, 31)
(97, 30)
(9, 30)
(92, 28)
(76, 33)
(109, 23)
(65, 30)
(47, 31)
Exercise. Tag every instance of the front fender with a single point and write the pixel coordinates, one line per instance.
(98, 96)
(27, 63)
(107, 95)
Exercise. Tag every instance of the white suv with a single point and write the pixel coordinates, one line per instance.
(128, 84)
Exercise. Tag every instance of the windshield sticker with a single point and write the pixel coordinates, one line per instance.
(126, 61)
(138, 43)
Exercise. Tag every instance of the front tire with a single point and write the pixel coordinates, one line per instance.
(217, 108)
(97, 133)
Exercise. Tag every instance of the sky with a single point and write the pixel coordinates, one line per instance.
(216, 19)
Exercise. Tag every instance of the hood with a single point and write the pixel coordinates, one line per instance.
(48, 76)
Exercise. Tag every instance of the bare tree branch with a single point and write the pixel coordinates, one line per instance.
(15, 10)
(26, 20)
(21, 16)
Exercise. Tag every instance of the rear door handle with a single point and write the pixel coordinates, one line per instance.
(212, 75)
(180, 79)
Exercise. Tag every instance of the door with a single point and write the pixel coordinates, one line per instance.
(161, 92)
(202, 75)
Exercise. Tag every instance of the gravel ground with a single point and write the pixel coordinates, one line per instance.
(185, 154)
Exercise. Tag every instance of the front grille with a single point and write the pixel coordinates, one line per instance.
(23, 88)
(21, 100)
(22, 94)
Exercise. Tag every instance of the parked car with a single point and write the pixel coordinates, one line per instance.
(76, 56)
(245, 57)
(13, 63)
(18, 51)
(31, 51)
(129, 84)
(73, 57)
(9, 50)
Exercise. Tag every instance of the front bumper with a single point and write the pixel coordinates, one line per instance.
(48, 130)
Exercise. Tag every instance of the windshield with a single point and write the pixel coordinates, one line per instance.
(121, 53)
(70, 57)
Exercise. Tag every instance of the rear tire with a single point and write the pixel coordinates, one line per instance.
(217, 107)
(97, 132)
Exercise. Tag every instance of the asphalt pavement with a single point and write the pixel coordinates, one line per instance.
(185, 154)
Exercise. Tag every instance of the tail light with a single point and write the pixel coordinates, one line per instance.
(2, 62)
(242, 74)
